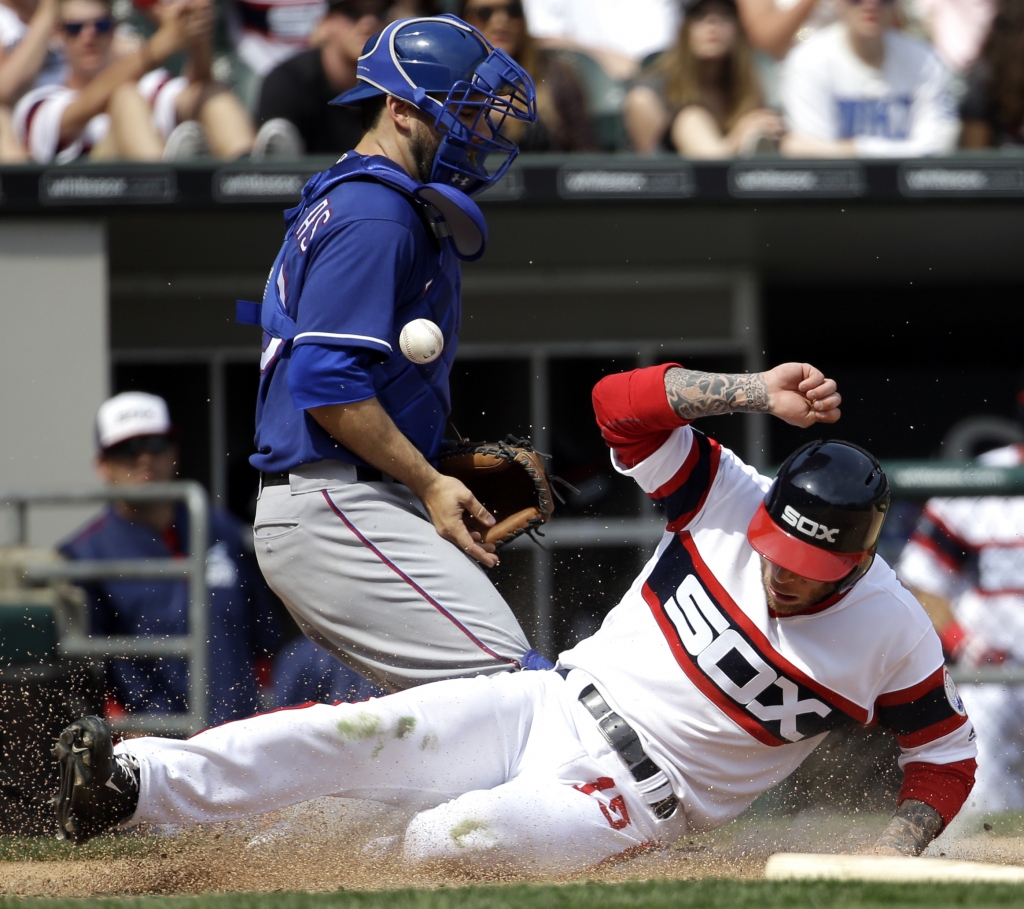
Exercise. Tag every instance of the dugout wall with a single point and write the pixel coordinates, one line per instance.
(886, 272)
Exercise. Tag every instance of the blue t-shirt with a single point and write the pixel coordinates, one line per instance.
(356, 266)
(243, 626)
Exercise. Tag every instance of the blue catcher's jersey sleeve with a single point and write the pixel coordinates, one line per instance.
(321, 375)
(352, 284)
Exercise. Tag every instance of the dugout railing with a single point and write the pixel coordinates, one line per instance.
(194, 646)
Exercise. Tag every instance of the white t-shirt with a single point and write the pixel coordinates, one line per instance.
(37, 119)
(38, 114)
(727, 697)
(970, 551)
(904, 109)
(12, 30)
(633, 28)
(161, 90)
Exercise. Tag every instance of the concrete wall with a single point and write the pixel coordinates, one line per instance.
(54, 371)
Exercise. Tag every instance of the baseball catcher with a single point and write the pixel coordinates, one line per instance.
(763, 620)
(357, 531)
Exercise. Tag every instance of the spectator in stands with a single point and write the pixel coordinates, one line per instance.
(100, 111)
(406, 9)
(11, 150)
(965, 564)
(701, 97)
(860, 88)
(305, 672)
(618, 34)
(562, 120)
(265, 33)
(993, 108)
(28, 56)
(294, 110)
(773, 27)
(956, 28)
(136, 446)
(194, 113)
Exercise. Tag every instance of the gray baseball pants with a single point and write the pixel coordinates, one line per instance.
(365, 574)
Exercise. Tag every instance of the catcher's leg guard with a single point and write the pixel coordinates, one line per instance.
(97, 789)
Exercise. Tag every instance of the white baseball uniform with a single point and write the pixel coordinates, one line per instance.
(903, 109)
(970, 551)
(726, 697)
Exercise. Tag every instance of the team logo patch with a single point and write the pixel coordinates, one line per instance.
(806, 526)
(952, 695)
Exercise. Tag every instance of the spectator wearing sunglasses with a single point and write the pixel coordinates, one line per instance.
(860, 88)
(99, 110)
(294, 111)
(701, 98)
(137, 446)
(563, 123)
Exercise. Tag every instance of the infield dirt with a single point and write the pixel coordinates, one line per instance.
(332, 844)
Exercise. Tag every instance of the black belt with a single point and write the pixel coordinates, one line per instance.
(363, 475)
(626, 742)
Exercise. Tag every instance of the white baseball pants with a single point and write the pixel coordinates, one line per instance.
(366, 576)
(507, 771)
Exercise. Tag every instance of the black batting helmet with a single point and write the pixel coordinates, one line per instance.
(822, 515)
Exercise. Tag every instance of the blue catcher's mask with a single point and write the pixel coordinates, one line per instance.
(447, 69)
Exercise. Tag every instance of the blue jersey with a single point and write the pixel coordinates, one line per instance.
(243, 626)
(358, 263)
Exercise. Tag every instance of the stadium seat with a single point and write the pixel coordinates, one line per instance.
(605, 97)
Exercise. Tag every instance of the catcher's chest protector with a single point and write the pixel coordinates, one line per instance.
(461, 233)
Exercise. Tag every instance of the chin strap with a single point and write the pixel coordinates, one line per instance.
(854, 576)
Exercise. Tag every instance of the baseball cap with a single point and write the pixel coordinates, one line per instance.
(131, 414)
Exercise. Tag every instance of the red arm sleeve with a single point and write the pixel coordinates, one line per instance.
(633, 412)
(943, 786)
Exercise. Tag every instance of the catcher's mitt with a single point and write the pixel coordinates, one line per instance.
(509, 480)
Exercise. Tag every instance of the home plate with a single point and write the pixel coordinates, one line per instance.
(808, 866)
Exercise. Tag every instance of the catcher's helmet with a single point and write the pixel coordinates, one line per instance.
(822, 515)
(448, 69)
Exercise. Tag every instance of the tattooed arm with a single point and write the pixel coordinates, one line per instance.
(913, 827)
(795, 392)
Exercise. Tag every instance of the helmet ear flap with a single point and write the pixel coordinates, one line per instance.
(854, 576)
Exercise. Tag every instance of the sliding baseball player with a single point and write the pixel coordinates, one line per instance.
(763, 620)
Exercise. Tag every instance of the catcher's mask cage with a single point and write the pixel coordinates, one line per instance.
(822, 516)
(446, 68)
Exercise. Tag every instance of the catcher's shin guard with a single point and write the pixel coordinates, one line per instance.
(98, 790)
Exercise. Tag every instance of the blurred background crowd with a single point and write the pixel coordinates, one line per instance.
(177, 79)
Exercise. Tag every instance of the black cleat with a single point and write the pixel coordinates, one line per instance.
(98, 790)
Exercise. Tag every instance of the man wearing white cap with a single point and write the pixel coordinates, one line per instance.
(136, 444)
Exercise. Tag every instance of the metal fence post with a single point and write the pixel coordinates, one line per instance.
(194, 645)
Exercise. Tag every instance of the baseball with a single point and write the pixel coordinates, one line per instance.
(421, 341)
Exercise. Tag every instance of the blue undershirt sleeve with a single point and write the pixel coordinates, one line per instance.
(320, 375)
